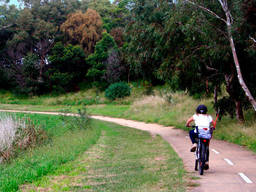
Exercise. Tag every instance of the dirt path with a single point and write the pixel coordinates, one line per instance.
(232, 168)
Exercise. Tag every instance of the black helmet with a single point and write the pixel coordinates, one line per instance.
(201, 109)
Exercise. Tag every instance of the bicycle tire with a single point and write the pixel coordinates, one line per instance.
(202, 158)
(196, 165)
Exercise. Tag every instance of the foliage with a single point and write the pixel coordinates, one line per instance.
(67, 67)
(118, 35)
(31, 66)
(99, 59)
(5, 82)
(81, 121)
(118, 90)
(114, 68)
(84, 29)
(146, 44)
(112, 15)
(60, 82)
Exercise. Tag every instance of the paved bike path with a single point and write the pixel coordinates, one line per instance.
(226, 161)
(232, 168)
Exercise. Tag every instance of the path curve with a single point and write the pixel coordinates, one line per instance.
(232, 167)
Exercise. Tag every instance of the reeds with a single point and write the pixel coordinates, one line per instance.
(16, 135)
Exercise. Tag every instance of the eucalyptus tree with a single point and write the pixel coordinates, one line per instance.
(145, 50)
(229, 9)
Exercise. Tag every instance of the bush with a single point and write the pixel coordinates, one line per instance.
(117, 90)
(81, 121)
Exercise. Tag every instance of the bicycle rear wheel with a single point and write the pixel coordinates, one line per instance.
(202, 158)
(196, 165)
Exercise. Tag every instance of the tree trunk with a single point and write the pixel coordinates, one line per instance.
(42, 64)
(229, 78)
(239, 111)
(215, 95)
(224, 5)
(228, 21)
(207, 86)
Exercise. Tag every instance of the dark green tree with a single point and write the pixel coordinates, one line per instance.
(98, 60)
(67, 61)
(145, 50)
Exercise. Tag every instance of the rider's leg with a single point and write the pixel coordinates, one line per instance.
(193, 137)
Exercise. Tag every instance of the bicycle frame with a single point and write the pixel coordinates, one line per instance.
(202, 154)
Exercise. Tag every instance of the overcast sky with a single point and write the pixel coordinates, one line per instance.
(15, 2)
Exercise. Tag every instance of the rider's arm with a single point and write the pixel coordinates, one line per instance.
(189, 121)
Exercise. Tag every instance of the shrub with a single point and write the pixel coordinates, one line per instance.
(117, 90)
(81, 121)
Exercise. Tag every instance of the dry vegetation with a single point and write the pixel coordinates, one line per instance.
(16, 135)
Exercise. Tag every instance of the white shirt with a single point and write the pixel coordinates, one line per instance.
(202, 120)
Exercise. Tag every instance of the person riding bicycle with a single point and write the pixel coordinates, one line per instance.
(202, 120)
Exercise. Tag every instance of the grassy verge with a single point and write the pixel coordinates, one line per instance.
(157, 110)
(84, 97)
(64, 146)
(154, 109)
(116, 163)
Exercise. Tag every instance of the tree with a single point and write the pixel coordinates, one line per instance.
(99, 59)
(84, 29)
(69, 62)
(118, 35)
(229, 21)
(44, 34)
(145, 49)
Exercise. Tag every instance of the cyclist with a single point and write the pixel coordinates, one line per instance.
(202, 120)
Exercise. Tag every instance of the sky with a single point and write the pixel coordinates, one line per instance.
(15, 2)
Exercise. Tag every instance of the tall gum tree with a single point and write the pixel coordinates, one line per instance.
(229, 21)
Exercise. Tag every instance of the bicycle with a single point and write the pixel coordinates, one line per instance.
(202, 150)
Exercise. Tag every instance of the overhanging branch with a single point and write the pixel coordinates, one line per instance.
(206, 10)
(254, 40)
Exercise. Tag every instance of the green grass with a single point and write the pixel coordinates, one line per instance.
(84, 97)
(153, 109)
(116, 163)
(64, 146)
(150, 109)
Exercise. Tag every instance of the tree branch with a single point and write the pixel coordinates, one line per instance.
(206, 10)
(5, 27)
(254, 40)
(210, 68)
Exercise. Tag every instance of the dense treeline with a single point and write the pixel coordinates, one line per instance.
(54, 45)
